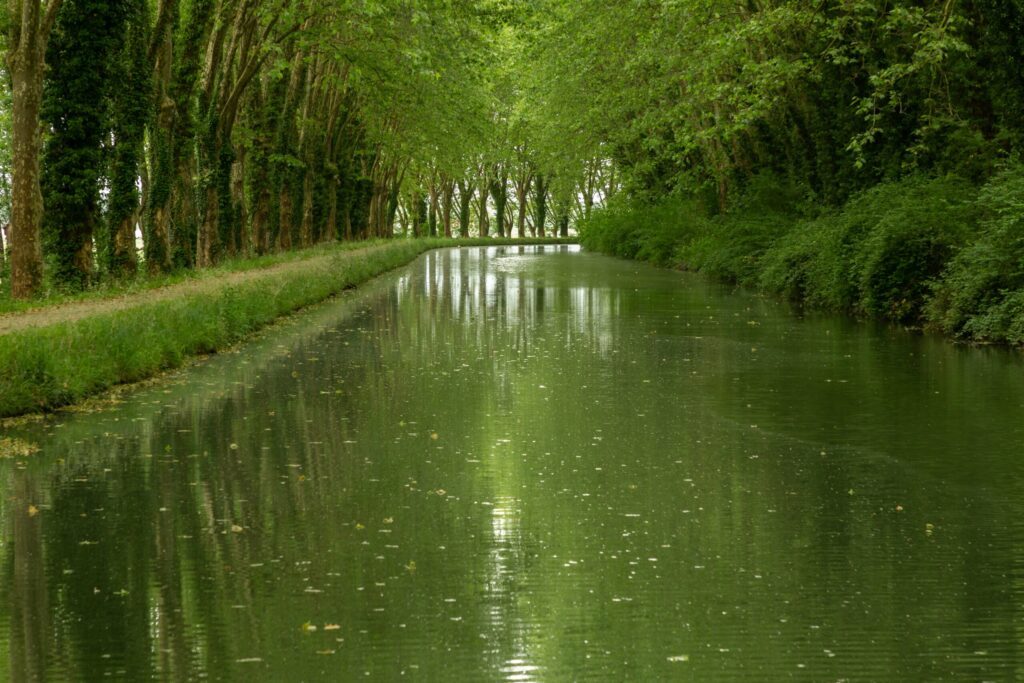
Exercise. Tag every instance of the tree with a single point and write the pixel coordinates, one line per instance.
(31, 23)
(79, 56)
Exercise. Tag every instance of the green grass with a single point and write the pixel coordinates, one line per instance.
(935, 252)
(42, 369)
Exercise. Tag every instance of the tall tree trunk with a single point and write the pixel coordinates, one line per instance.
(392, 211)
(306, 230)
(465, 204)
(131, 76)
(522, 193)
(240, 241)
(331, 225)
(284, 234)
(541, 205)
(485, 224)
(499, 190)
(30, 25)
(260, 221)
(446, 206)
(207, 238)
(158, 215)
(77, 82)
(419, 214)
(432, 212)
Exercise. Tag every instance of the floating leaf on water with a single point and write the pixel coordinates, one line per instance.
(331, 627)
(679, 658)
(248, 660)
(233, 446)
(308, 627)
(237, 529)
(33, 511)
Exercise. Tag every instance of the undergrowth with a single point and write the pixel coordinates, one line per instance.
(935, 252)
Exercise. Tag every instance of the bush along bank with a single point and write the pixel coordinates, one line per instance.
(939, 253)
(44, 368)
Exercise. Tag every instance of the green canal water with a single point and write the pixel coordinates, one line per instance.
(531, 463)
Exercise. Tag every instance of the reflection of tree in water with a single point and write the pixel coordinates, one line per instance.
(24, 588)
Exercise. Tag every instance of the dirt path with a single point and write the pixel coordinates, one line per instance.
(70, 312)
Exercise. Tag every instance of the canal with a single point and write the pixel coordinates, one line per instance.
(531, 463)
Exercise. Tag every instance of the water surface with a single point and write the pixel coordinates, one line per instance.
(530, 463)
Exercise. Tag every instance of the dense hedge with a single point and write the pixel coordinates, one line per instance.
(937, 252)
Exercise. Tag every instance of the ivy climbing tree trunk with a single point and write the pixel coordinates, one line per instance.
(80, 55)
(465, 206)
(130, 110)
(540, 206)
(446, 205)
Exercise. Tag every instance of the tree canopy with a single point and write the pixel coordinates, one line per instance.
(220, 127)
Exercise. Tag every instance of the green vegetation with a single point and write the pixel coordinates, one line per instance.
(857, 156)
(43, 368)
(180, 134)
(939, 253)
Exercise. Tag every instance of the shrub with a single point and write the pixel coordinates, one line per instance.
(640, 230)
(981, 294)
(877, 255)
(920, 225)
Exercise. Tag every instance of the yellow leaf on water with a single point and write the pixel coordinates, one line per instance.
(33, 511)
(237, 529)
(308, 627)
(331, 627)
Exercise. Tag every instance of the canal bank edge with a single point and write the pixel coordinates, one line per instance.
(55, 366)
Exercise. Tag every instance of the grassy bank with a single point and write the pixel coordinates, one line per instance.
(43, 368)
(109, 288)
(937, 253)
